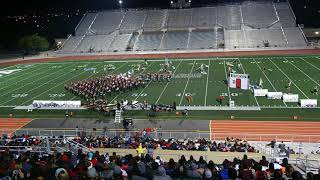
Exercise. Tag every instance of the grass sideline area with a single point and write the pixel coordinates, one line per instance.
(45, 81)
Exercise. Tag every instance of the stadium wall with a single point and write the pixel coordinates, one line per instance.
(315, 51)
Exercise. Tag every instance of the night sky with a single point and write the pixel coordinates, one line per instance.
(57, 18)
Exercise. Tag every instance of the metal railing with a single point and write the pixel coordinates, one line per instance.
(167, 134)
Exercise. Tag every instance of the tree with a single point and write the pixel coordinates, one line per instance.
(33, 43)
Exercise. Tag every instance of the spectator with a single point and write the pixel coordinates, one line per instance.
(161, 174)
(296, 175)
(201, 163)
(224, 172)
(192, 172)
(310, 176)
(264, 161)
(277, 175)
(276, 163)
(270, 170)
(171, 167)
(232, 174)
(260, 174)
(245, 173)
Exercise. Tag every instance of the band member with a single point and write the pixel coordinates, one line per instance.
(315, 90)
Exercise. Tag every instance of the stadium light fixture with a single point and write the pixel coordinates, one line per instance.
(189, 1)
(317, 32)
(120, 1)
(171, 2)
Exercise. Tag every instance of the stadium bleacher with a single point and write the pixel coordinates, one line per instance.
(154, 20)
(22, 158)
(250, 24)
(107, 22)
(86, 22)
(148, 41)
(96, 43)
(174, 40)
(120, 42)
(258, 15)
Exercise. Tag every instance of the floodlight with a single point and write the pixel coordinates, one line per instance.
(120, 1)
(317, 32)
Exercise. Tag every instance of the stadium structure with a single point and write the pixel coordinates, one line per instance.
(248, 25)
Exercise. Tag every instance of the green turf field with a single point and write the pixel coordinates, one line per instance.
(45, 81)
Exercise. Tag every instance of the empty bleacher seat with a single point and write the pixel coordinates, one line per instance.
(179, 19)
(154, 20)
(229, 16)
(175, 40)
(148, 41)
(133, 20)
(202, 39)
(286, 17)
(97, 43)
(295, 37)
(120, 42)
(107, 22)
(85, 24)
(71, 43)
(258, 15)
(204, 17)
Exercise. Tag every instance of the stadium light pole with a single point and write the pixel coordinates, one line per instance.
(120, 3)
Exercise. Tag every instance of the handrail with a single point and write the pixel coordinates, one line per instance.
(166, 134)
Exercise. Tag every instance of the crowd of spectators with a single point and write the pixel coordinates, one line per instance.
(133, 142)
(93, 165)
(145, 138)
(65, 166)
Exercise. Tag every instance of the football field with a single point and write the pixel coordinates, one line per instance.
(21, 84)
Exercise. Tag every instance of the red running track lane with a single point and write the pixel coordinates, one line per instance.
(11, 125)
(266, 130)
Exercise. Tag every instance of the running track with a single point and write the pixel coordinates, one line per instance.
(266, 130)
(10, 125)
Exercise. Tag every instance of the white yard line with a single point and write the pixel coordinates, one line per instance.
(75, 96)
(53, 86)
(304, 73)
(268, 79)
(225, 71)
(140, 93)
(311, 64)
(288, 78)
(185, 88)
(24, 79)
(20, 87)
(205, 97)
(255, 98)
(167, 84)
(10, 75)
(143, 89)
